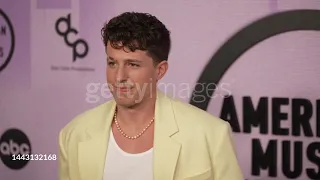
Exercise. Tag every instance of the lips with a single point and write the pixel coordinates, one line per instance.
(123, 89)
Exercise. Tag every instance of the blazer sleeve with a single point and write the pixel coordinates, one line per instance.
(63, 158)
(224, 159)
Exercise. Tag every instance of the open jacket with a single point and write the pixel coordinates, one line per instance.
(189, 144)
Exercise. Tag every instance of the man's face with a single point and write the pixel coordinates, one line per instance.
(131, 76)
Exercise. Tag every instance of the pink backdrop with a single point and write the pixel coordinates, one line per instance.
(43, 88)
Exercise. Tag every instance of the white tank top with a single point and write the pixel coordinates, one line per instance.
(120, 165)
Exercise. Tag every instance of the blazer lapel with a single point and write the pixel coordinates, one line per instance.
(92, 152)
(166, 149)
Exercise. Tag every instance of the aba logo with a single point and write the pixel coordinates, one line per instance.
(6, 40)
(66, 31)
(13, 144)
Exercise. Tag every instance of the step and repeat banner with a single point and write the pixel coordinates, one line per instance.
(252, 63)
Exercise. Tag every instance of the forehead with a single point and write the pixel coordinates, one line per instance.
(125, 53)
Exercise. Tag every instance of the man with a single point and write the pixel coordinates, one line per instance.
(142, 134)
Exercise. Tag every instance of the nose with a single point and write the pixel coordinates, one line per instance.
(121, 74)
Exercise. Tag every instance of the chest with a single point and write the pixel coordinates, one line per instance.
(123, 165)
(133, 146)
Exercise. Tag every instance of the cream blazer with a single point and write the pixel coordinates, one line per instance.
(189, 144)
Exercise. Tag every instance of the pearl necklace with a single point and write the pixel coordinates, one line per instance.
(131, 137)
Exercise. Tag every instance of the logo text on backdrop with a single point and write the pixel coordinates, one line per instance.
(65, 32)
(305, 114)
(79, 46)
(14, 142)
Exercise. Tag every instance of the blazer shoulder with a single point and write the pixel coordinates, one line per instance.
(194, 116)
(81, 121)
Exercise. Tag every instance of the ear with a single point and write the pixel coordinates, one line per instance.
(162, 69)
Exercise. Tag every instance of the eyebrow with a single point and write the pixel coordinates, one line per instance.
(128, 60)
(133, 60)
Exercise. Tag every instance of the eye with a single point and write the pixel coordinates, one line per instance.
(133, 65)
(110, 63)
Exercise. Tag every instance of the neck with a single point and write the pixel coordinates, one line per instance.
(138, 115)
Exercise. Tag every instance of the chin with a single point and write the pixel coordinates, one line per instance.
(128, 103)
(124, 100)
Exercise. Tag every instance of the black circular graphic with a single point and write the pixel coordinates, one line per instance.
(15, 149)
(7, 40)
(245, 39)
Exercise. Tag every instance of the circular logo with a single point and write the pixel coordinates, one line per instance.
(14, 145)
(245, 39)
(7, 40)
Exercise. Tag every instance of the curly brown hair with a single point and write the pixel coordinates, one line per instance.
(140, 31)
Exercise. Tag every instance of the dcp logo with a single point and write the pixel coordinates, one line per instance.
(66, 31)
(14, 142)
(7, 40)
